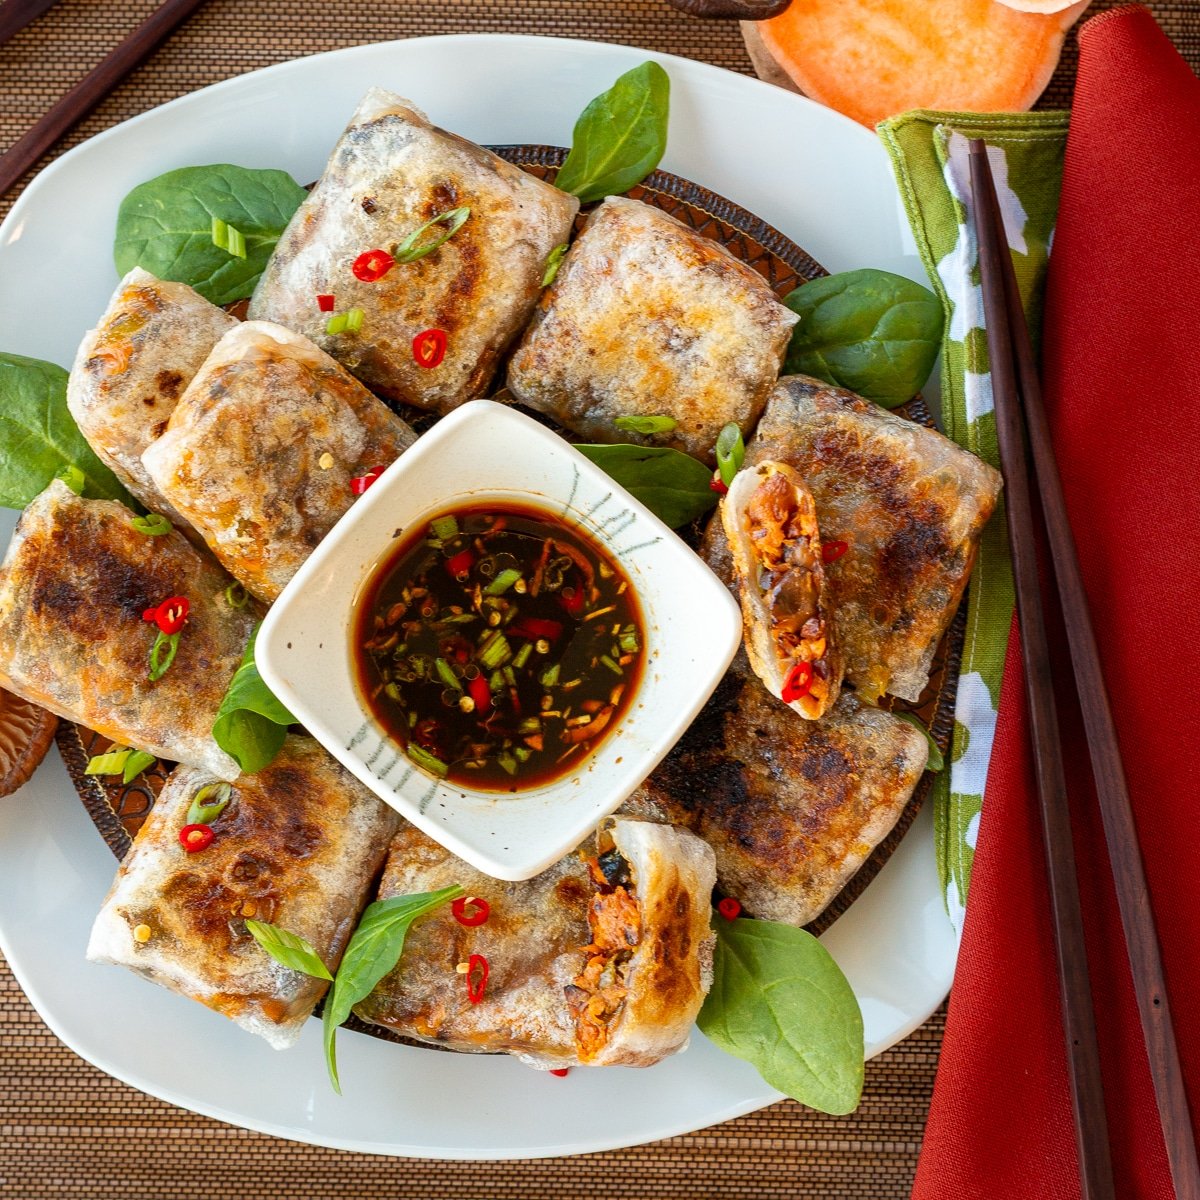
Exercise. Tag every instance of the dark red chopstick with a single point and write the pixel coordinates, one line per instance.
(16, 14)
(86, 94)
(1112, 791)
(1079, 1022)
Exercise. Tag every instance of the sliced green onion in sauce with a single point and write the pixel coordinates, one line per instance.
(502, 582)
(426, 761)
(446, 675)
(444, 527)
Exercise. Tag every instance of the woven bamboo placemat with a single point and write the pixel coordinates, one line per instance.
(66, 1129)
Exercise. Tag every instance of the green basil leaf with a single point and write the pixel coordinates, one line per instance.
(780, 1002)
(166, 224)
(620, 137)
(251, 723)
(39, 440)
(288, 949)
(646, 425)
(873, 332)
(730, 451)
(136, 763)
(373, 950)
(672, 485)
(936, 761)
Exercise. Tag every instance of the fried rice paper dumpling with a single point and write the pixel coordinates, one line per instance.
(601, 964)
(909, 505)
(791, 807)
(132, 368)
(391, 173)
(299, 845)
(646, 317)
(260, 453)
(74, 585)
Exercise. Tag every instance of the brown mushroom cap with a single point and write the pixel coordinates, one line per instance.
(26, 732)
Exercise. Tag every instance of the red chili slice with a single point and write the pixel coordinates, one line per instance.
(730, 908)
(561, 1073)
(429, 347)
(360, 483)
(536, 627)
(717, 484)
(480, 693)
(194, 838)
(170, 616)
(832, 551)
(459, 565)
(476, 985)
(325, 302)
(479, 910)
(372, 265)
(798, 682)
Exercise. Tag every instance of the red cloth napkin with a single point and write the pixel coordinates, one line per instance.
(1122, 380)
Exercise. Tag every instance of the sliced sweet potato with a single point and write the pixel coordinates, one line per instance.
(871, 59)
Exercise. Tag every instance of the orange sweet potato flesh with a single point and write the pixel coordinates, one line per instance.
(871, 59)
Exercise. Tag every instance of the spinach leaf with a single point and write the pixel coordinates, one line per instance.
(39, 440)
(288, 949)
(374, 949)
(620, 137)
(780, 1002)
(672, 485)
(936, 761)
(251, 723)
(166, 225)
(870, 331)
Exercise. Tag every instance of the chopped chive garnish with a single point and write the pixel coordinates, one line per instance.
(236, 596)
(646, 424)
(228, 238)
(152, 525)
(549, 677)
(523, 655)
(553, 262)
(162, 654)
(336, 323)
(73, 477)
(354, 320)
(502, 582)
(409, 251)
(426, 761)
(444, 527)
(628, 641)
(208, 803)
(446, 675)
(731, 452)
(111, 762)
(612, 666)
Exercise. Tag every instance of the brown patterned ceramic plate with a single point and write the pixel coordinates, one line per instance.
(118, 810)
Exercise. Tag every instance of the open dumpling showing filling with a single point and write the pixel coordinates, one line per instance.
(604, 959)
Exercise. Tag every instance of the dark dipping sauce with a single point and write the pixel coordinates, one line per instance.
(498, 645)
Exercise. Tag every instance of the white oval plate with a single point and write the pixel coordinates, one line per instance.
(815, 175)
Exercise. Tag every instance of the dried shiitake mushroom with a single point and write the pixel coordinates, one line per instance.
(26, 732)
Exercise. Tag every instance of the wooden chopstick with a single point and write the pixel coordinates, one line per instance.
(16, 14)
(1112, 791)
(1079, 1023)
(88, 93)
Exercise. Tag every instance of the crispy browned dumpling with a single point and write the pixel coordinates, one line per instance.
(908, 504)
(391, 172)
(299, 846)
(791, 807)
(584, 968)
(132, 368)
(74, 585)
(260, 452)
(645, 318)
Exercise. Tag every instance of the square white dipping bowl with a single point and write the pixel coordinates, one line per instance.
(484, 451)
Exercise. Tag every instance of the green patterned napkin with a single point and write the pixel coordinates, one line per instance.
(929, 154)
